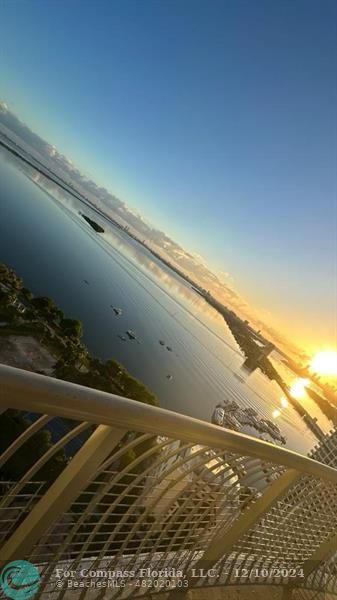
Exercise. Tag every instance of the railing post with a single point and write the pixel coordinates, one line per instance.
(287, 593)
(321, 554)
(59, 497)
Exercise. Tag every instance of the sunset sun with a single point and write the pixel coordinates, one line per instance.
(324, 363)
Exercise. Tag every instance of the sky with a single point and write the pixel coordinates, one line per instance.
(216, 120)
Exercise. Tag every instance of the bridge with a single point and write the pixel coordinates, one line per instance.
(128, 500)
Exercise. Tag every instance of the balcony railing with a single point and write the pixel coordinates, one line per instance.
(124, 490)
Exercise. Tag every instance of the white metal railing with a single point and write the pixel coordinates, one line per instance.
(147, 488)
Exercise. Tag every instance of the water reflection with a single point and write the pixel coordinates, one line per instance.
(297, 389)
(56, 252)
(131, 249)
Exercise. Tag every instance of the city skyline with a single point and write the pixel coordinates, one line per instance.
(252, 189)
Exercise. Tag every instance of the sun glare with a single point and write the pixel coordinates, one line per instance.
(284, 402)
(324, 363)
(297, 389)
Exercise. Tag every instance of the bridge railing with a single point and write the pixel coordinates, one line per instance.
(92, 482)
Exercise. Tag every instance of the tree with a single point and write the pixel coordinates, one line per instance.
(72, 327)
(12, 424)
(43, 303)
(27, 293)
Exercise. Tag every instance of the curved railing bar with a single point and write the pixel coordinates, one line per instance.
(153, 562)
(96, 497)
(189, 516)
(24, 437)
(242, 508)
(26, 390)
(115, 503)
(147, 511)
(205, 459)
(178, 478)
(61, 443)
(138, 460)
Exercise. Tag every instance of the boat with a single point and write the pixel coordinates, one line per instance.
(231, 416)
(230, 422)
